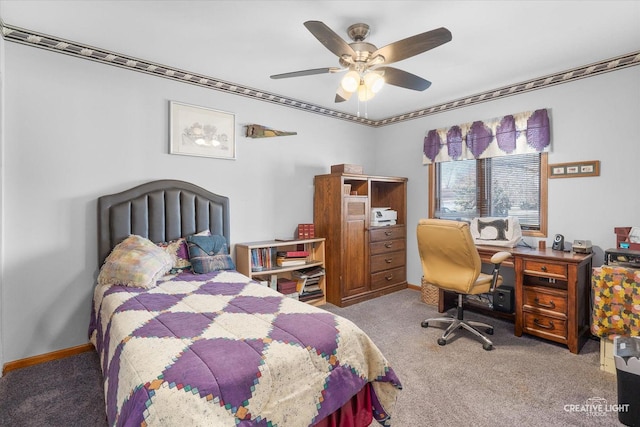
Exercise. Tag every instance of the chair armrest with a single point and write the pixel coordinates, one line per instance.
(499, 257)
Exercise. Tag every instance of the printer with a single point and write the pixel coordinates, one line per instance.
(383, 216)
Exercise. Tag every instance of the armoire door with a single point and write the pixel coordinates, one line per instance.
(355, 260)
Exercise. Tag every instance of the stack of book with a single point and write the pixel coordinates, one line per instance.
(291, 258)
(262, 259)
(310, 287)
(306, 231)
(287, 286)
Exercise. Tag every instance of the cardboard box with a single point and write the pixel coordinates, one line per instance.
(343, 168)
(607, 362)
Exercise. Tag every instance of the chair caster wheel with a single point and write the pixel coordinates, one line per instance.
(441, 341)
(489, 331)
(487, 347)
(424, 324)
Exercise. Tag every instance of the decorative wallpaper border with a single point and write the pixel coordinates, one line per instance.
(79, 50)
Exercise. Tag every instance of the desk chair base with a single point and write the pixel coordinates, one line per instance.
(458, 323)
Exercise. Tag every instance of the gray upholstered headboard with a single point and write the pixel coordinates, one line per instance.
(160, 211)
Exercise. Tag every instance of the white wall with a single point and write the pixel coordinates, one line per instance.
(591, 119)
(75, 130)
(2, 61)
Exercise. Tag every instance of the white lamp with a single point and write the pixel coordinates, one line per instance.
(350, 81)
(373, 81)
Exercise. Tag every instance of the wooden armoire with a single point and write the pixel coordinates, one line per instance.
(362, 261)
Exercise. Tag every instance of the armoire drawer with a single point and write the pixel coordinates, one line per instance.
(388, 277)
(385, 246)
(386, 233)
(387, 261)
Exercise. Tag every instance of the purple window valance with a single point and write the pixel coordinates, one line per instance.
(521, 133)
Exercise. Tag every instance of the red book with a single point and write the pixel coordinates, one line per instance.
(286, 286)
(294, 254)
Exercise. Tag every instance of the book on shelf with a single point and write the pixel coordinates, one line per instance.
(300, 284)
(309, 273)
(305, 231)
(306, 296)
(311, 288)
(288, 262)
(287, 286)
(262, 258)
(293, 254)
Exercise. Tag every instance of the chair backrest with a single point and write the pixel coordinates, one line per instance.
(449, 256)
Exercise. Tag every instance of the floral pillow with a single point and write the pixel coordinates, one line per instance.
(180, 252)
(209, 253)
(137, 262)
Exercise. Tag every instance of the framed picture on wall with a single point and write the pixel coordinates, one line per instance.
(575, 169)
(200, 131)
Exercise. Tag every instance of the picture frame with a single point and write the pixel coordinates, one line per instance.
(575, 169)
(201, 131)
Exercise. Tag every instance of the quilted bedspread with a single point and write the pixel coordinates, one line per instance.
(218, 349)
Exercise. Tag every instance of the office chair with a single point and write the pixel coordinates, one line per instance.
(450, 261)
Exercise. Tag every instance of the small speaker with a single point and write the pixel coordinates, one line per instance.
(503, 299)
(558, 243)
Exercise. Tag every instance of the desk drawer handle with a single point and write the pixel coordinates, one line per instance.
(388, 245)
(387, 233)
(543, 268)
(388, 260)
(389, 277)
(540, 325)
(551, 305)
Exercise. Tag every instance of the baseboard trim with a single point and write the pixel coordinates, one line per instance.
(414, 287)
(54, 355)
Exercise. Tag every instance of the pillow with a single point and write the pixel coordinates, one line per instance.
(137, 262)
(180, 252)
(209, 253)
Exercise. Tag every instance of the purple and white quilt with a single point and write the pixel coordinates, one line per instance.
(219, 349)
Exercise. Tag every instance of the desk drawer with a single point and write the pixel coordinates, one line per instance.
(545, 299)
(545, 326)
(388, 277)
(387, 246)
(545, 268)
(387, 261)
(386, 233)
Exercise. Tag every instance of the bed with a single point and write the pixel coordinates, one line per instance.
(213, 347)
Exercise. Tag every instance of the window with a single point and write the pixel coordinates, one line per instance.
(499, 186)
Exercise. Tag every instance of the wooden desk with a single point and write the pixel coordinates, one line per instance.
(551, 293)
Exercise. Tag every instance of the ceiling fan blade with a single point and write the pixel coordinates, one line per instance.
(342, 95)
(329, 38)
(396, 77)
(413, 45)
(307, 72)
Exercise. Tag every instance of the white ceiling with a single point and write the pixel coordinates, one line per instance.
(495, 43)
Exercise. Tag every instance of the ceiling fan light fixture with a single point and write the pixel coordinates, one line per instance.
(373, 81)
(350, 81)
(364, 93)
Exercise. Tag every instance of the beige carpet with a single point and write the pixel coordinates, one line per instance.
(524, 381)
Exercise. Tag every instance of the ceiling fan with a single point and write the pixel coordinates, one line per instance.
(366, 65)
